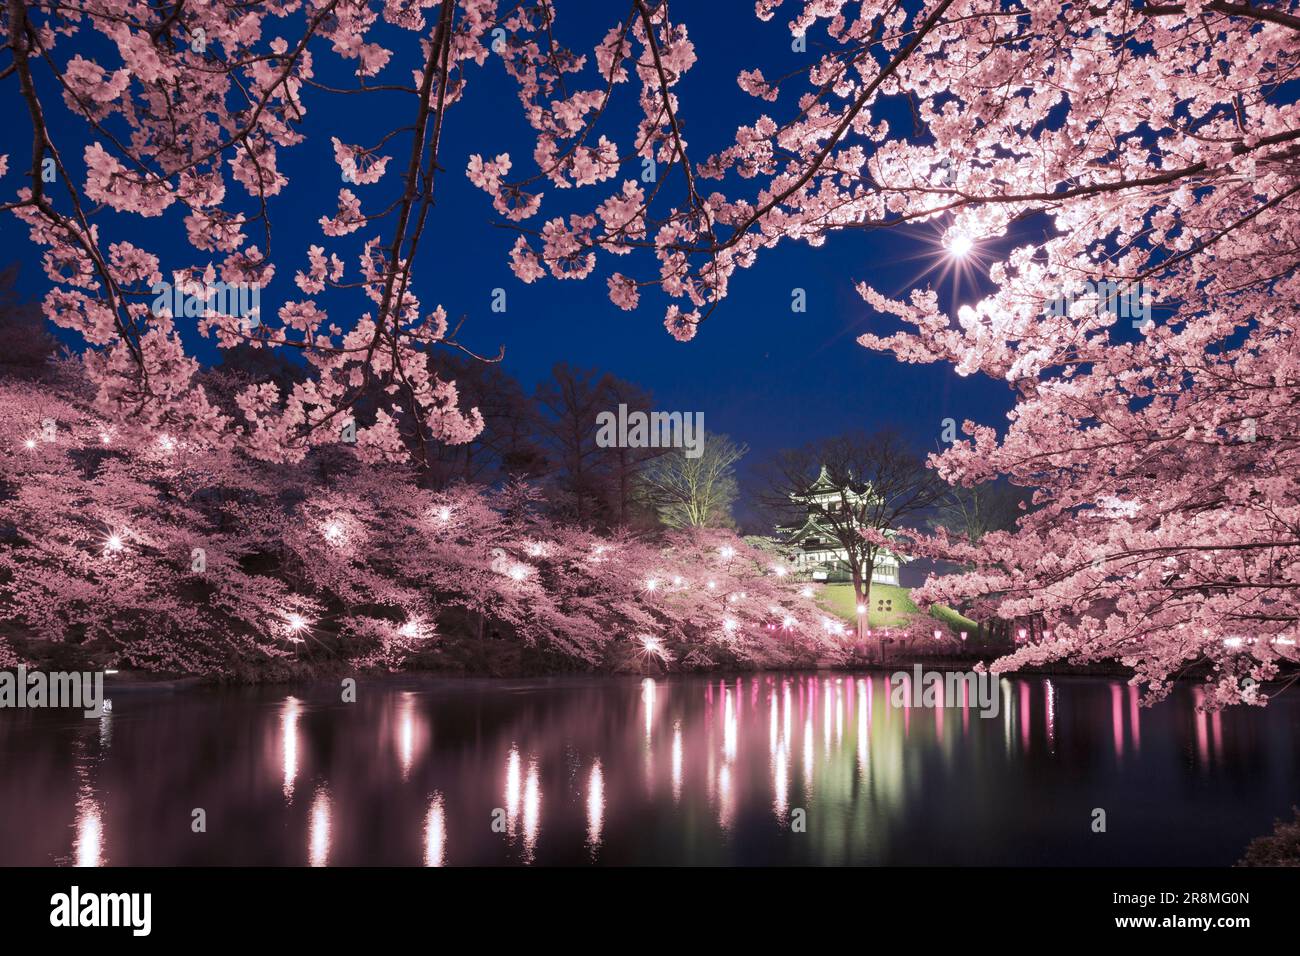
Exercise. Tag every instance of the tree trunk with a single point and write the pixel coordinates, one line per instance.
(861, 599)
(862, 592)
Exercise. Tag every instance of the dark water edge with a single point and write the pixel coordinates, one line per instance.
(624, 770)
(137, 681)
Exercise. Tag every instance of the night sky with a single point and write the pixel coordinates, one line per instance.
(759, 372)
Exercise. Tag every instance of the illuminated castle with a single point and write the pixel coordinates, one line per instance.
(814, 546)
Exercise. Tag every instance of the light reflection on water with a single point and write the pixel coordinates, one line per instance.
(624, 770)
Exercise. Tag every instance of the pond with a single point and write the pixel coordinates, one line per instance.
(771, 768)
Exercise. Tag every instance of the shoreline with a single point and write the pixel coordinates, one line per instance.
(130, 681)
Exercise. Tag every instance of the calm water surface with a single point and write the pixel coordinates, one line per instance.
(621, 770)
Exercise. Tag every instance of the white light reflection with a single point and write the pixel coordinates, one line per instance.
(595, 807)
(89, 845)
(726, 798)
(525, 799)
(318, 848)
(514, 790)
(532, 810)
(289, 713)
(106, 723)
(677, 761)
(730, 727)
(648, 696)
(406, 734)
(1051, 715)
(435, 833)
(785, 729)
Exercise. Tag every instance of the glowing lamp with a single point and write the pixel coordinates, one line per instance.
(727, 552)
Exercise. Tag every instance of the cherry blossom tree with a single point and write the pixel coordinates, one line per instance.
(119, 546)
(193, 109)
(1048, 147)
(1154, 147)
(1166, 531)
(129, 547)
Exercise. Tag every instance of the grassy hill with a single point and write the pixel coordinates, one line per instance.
(897, 609)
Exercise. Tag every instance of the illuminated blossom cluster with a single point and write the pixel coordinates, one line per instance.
(1164, 530)
(159, 553)
(1153, 146)
(1041, 144)
(194, 106)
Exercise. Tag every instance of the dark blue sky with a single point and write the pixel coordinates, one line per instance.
(765, 375)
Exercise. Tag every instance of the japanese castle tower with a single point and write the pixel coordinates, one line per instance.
(813, 547)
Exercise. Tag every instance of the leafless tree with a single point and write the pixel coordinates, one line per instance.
(974, 512)
(25, 345)
(594, 486)
(696, 492)
(625, 467)
(569, 403)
